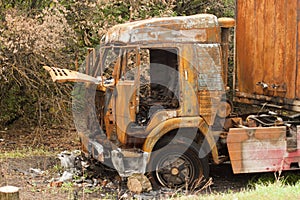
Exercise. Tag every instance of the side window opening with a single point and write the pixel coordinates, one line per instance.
(159, 82)
(129, 64)
(111, 58)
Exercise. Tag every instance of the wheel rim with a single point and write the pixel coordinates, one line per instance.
(175, 170)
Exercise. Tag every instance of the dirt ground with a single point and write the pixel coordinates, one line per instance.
(34, 185)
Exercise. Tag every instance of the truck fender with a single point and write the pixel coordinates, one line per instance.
(182, 122)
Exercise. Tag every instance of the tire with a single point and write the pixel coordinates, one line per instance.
(177, 165)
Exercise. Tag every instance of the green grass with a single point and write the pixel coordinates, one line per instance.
(26, 152)
(272, 191)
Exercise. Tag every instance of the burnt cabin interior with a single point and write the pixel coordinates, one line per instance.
(158, 90)
(161, 89)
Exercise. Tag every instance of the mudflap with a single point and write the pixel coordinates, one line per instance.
(261, 149)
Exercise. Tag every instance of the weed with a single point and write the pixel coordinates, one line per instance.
(67, 186)
(291, 178)
(26, 152)
(275, 191)
(92, 190)
(57, 168)
(285, 178)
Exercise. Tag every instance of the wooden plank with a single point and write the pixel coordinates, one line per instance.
(261, 133)
(240, 43)
(297, 89)
(257, 155)
(247, 44)
(267, 47)
(291, 38)
(259, 45)
(247, 147)
(269, 41)
(280, 46)
(251, 47)
(236, 149)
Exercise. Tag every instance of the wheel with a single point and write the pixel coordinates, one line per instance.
(177, 165)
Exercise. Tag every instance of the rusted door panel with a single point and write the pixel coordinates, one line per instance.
(123, 108)
(257, 149)
(266, 45)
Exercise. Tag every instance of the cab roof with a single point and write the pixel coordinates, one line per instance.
(200, 28)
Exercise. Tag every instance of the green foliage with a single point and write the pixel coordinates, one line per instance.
(29, 40)
(11, 104)
(91, 19)
(220, 8)
(25, 4)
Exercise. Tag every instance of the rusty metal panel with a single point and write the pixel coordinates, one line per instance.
(195, 28)
(266, 50)
(210, 82)
(125, 94)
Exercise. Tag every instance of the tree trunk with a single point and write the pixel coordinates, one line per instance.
(9, 193)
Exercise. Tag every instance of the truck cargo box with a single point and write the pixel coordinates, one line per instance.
(267, 55)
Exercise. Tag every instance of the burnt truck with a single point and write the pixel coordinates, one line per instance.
(153, 97)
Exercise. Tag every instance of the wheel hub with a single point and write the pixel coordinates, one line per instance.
(174, 171)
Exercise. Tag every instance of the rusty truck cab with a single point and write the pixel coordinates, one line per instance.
(162, 70)
(164, 73)
(158, 85)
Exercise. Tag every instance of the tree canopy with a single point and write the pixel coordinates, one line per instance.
(34, 33)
